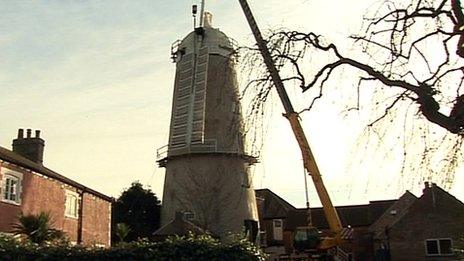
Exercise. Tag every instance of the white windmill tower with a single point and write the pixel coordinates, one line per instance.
(207, 169)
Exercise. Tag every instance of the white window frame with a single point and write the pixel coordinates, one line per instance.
(71, 213)
(278, 231)
(8, 174)
(437, 240)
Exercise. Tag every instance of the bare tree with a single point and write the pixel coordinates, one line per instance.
(411, 53)
(212, 192)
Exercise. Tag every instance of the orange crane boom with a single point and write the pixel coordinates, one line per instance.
(308, 158)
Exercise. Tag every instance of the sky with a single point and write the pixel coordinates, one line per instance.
(96, 78)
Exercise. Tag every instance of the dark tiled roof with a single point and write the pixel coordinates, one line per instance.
(378, 207)
(299, 218)
(354, 216)
(274, 206)
(400, 208)
(11, 157)
(432, 191)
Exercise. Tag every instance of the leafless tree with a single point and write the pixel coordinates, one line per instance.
(408, 58)
(208, 191)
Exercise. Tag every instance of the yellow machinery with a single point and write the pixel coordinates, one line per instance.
(308, 158)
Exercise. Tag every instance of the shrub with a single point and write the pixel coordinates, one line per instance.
(37, 228)
(202, 247)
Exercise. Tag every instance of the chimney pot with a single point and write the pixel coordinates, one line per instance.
(29, 132)
(20, 133)
(426, 187)
(37, 133)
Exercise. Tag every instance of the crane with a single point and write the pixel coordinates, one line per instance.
(293, 118)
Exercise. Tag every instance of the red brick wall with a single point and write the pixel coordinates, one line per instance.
(8, 214)
(40, 193)
(96, 222)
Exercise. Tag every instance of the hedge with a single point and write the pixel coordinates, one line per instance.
(175, 248)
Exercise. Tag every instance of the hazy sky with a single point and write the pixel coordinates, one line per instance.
(96, 78)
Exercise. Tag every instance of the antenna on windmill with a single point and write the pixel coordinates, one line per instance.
(202, 12)
(194, 14)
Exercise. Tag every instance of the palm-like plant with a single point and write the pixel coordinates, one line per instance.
(37, 228)
(122, 231)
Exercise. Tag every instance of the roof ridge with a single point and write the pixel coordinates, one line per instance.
(278, 197)
(16, 159)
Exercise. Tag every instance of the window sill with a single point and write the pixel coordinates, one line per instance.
(10, 202)
(71, 217)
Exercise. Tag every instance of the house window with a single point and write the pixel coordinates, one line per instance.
(189, 215)
(262, 238)
(251, 229)
(277, 225)
(11, 187)
(439, 247)
(72, 204)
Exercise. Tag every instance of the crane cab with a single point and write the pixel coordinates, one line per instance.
(306, 238)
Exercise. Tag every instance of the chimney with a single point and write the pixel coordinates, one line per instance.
(31, 148)
(426, 187)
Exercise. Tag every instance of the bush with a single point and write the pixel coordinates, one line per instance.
(202, 247)
(37, 228)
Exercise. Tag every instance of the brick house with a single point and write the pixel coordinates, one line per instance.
(279, 220)
(28, 187)
(410, 228)
(272, 212)
(424, 228)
